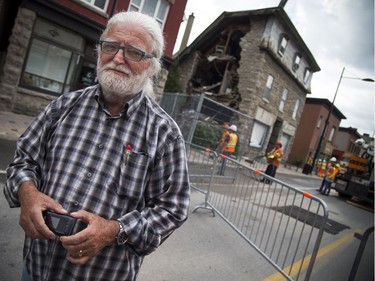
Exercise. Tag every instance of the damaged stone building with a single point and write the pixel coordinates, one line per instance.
(254, 62)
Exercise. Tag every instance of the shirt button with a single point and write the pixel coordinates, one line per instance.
(89, 175)
(75, 203)
(100, 146)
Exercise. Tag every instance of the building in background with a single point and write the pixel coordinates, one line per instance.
(255, 62)
(48, 47)
(346, 143)
(310, 130)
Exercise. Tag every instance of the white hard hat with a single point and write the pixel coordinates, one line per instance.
(333, 159)
(233, 128)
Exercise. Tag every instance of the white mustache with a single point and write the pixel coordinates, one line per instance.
(113, 66)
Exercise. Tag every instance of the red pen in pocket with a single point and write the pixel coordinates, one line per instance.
(128, 150)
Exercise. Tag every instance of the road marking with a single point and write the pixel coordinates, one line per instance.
(304, 263)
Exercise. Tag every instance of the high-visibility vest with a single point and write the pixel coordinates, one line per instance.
(274, 156)
(230, 146)
(333, 173)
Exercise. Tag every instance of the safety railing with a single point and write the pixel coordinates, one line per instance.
(282, 223)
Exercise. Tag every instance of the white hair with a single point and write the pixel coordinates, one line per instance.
(150, 25)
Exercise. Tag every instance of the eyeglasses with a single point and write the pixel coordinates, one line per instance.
(130, 53)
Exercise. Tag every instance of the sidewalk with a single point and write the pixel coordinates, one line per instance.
(12, 125)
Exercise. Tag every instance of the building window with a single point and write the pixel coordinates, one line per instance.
(267, 90)
(296, 62)
(319, 122)
(283, 44)
(158, 9)
(258, 135)
(295, 111)
(51, 63)
(331, 134)
(307, 76)
(100, 4)
(285, 139)
(283, 100)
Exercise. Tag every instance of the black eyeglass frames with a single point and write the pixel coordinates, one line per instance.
(130, 53)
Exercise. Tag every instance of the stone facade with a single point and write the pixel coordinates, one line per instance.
(22, 100)
(10, 99)
(258, 58)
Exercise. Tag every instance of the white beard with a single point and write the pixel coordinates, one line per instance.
(119, 87)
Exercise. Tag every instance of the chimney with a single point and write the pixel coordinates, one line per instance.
(282, 3)
(188, 28)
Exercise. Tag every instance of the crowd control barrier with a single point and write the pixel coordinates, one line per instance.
(282, 223)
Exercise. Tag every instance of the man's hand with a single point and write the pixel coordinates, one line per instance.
(33, 203)
(87, 243)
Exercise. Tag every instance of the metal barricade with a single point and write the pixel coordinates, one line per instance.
(282, 223)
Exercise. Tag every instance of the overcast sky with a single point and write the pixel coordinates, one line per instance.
(339, 33)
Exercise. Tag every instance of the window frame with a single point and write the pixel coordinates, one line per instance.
(284, 96)
(332, 133)
(306, 76)
(42, 35)
(264, 132)
(282, 47)
(267, 90)
(296, 61)
(139, 8)
(296, 108)
(91, 3)
(319, 123)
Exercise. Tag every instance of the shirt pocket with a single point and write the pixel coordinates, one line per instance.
(130, 179)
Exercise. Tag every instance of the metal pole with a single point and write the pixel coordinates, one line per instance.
(317, 151)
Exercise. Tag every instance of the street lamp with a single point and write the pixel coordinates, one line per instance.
(317, 151)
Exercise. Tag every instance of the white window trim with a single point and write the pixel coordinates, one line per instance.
(332, 133)
(307, 75)
(282, 48)
(284, 96)
(258, 134)
(267, 90)
(296, 108)
(319, 122)
(90, 5)
(140, 8)
(295, 63)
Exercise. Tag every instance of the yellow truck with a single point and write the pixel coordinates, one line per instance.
(357, 180)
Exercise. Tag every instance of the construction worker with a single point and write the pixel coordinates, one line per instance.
(273, 160)
(322, 169)
(330, 178)
(229, 146)
(219, 148)
(317, 166)
(331, 163)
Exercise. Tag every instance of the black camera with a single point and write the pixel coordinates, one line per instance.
(61, 225)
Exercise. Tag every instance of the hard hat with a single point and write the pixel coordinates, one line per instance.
(333, 159)
(233, 128)
(279, 143)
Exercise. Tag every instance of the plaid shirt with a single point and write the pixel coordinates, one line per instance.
(76, 153)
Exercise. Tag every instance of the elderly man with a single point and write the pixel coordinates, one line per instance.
(107, 155)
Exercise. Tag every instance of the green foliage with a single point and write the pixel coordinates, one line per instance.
(172, 84)
(206, 136)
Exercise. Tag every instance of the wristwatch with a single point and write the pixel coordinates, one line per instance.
(121, 236)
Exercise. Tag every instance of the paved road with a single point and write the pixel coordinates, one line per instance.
(206, 248)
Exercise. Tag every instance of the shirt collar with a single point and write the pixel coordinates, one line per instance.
(129, 107)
